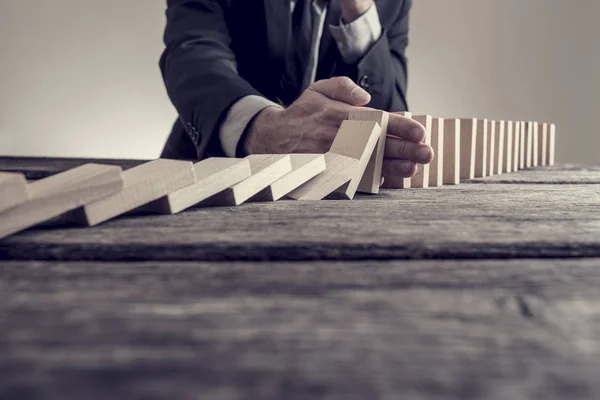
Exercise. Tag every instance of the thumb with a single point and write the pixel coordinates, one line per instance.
(342, 89)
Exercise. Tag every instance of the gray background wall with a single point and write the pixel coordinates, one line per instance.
(80, 77)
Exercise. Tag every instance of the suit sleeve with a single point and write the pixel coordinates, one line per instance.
(382, 71)
(200, 71)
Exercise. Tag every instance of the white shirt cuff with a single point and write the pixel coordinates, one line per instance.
(356, 38)
(237, 119)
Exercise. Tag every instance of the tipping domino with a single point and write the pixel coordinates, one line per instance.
(60, 193)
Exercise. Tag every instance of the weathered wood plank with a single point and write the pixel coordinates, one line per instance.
(467, 221)
(429, 329)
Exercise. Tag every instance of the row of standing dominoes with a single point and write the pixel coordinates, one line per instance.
(93, 193)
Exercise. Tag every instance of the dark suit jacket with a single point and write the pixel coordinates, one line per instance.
(206, 39)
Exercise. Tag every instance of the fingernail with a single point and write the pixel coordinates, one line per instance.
(423, 154)
(418, 134)
(360, 95)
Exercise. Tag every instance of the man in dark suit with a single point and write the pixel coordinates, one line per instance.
(279, 76)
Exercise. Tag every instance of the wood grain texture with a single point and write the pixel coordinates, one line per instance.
(371, 180)
(468, 147)
(13, 190)
(50, 197)
(509, 135)
(142, 184)
(436, 168)
(356, 139)
(505, 329)
(466, 221)
(481, 161)
(421, 178)
(564, 174)
(304, 168)
(338, 173)
(452, 151)
(213, 176)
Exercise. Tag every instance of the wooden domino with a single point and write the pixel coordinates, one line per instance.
(60, 193)
(507, 160)
(13, 190)
(143, 184)
(371, 179)
(468, 144)
(338, 174)
(451, 151)
(528, 144)
(405, 183)
(551, 144)
(421, 178)
(481, 143)
(355, 139)
(522, 146)
(491, 147)
(516, 146)
(535, 145)
(266, 169)
(499, 147)
(213, 176)
(543, 144)
(436, 168)
(304, 168)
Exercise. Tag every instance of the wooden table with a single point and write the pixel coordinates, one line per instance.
(487, 290)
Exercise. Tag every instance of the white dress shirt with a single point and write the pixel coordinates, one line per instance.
(353, 41)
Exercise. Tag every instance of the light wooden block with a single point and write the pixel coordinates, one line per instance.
(355, 139)
(371, 180)
(143, 184)
(60, 193)
(499, 147)
(491, 150)
(551, 144)
(451, 151)
(405, 183)
(535, 146)
(304, 168)
(509, 135)
(481, 144)
(468, 144)
(528, 144)
(13, 190)
(421, 178)
(436, 168)
(266, 169)
(516, 145)
(543, 144)
(523, 146)
(339, 172)
(213, 176)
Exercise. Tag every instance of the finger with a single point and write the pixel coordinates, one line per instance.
(405, 128)
(342, 89)
(394, 172)
(406, 150)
